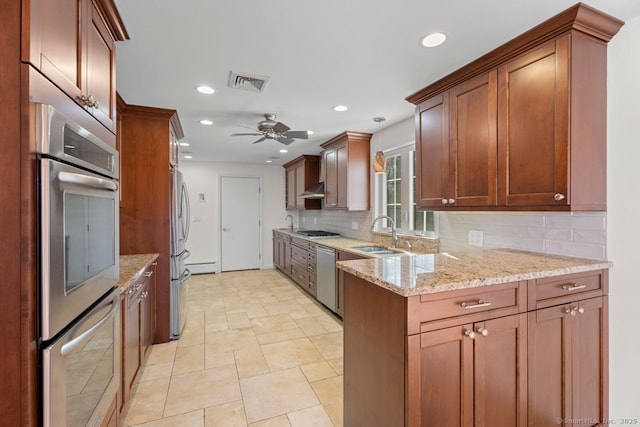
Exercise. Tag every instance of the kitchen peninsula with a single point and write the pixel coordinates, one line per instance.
(493, 337)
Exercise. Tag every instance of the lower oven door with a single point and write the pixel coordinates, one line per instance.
(81, 368)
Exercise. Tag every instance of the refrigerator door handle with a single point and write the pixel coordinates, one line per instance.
(187, 217)
(184, 255)
(185, 275)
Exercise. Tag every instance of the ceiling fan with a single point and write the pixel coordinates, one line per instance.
(270, 129)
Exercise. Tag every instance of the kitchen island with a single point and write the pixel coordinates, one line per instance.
(486, 337)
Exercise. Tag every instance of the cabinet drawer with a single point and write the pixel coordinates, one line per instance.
(302, 243)
(300, 274)
(563, 289)
(478, 304)
(299, 254)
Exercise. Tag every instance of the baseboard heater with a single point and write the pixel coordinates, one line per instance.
(203, 267)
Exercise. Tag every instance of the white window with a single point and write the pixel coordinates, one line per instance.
(397, 195)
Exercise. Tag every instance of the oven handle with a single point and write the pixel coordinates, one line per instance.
(71, 345)
(87, 181)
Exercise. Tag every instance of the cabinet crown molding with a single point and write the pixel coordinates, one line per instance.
(350, 135)
(578, 18)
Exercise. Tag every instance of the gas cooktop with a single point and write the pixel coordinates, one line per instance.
(316, 234)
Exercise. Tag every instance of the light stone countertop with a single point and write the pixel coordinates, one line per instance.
(131, 266)
(341, 243)
(410, 275)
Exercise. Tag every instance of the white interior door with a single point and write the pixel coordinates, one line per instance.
(240, 223)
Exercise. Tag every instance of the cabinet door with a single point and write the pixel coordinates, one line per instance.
(342, 169)
(533, 135)
(500, 361)
(432, 152)
(474, 141)
(299, 203)
(131, 353)
(568, 362)
(440, 378)
(331, 179)
(100, 66)
(56, 41)
(147, 317)
(291, 188)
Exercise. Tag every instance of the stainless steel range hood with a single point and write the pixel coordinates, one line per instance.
(314, 192)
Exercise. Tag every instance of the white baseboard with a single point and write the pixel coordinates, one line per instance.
(203, 268)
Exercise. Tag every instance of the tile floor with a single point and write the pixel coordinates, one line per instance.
(256, 351)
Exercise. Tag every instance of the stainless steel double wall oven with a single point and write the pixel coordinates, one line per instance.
(78, 270)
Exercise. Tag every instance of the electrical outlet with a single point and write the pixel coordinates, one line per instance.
(354, 225)
(315, 220)
(475, 237)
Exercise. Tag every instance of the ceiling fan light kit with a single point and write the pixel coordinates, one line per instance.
(269, 128)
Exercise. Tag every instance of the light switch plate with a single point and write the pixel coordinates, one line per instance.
(315, 220)
(354, 225)
(475, 237)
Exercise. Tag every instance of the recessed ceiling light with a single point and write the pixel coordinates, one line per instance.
(205, 89)
(269, 161)
(188, 157)
(184, 144)
(309, 132)
(433, 40)
(284, 151)
(340, 108)
(206, 122)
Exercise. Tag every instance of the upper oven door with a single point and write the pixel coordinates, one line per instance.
(79, 242)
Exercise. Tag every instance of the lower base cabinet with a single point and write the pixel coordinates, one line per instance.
(428, 360)
(138, 328)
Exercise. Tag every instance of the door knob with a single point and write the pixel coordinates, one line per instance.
(226, 229)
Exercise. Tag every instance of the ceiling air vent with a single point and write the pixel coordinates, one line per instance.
(245, 81)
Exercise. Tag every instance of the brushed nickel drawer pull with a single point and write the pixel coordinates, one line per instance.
(573, 287)
(470, 305)
(148, 273)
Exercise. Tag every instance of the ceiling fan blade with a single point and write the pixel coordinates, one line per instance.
(246, 134)
(260, 140)
(285, 140)
(298, 134)
(247, 127)
(280, 127)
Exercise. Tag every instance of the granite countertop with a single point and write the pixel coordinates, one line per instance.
(342, 243)
(131, 266)
(424, 274)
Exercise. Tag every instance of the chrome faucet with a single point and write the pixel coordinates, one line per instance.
(394, 234)
(291, 225)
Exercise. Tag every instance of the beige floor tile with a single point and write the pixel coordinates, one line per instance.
(199, 390)
(215, 320)
(238, 320)
(191, 336)
(250, 362)
(276, 393)
(315, 416)
(189, 359)
(154, 372)
(277, 323)
(233, 339)
(215, 357)
(226, 415)
(190, 419)
(330, 323)
(311, 326)
(318, 371)
(274, 337)
(288, 354)
(337, 364)
(148, 402)
(330, 393)
(329, 345)
(281, 421)
(162, 353)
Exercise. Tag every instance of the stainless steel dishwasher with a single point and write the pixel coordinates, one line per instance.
(326, 293)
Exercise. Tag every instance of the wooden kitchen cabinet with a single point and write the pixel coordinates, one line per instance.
(303, 264)
(302, 173)
(72, 42)
(523, 127)
(138, 327)
(346, 158)
(456, 153)
(145, 189)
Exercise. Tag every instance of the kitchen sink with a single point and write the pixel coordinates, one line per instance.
(379, 250)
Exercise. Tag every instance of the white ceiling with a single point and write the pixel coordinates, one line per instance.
(365, 54)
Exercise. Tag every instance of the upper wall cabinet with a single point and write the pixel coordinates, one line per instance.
(346, 158)
(302, 173)
(523, 127)
(72, 42)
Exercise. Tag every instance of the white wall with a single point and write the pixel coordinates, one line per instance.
(203, 178)
(623, 234)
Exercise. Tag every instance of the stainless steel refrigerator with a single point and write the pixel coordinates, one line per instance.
(180, 214)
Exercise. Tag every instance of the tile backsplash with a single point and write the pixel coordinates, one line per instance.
(580, 234)
(338, 221)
